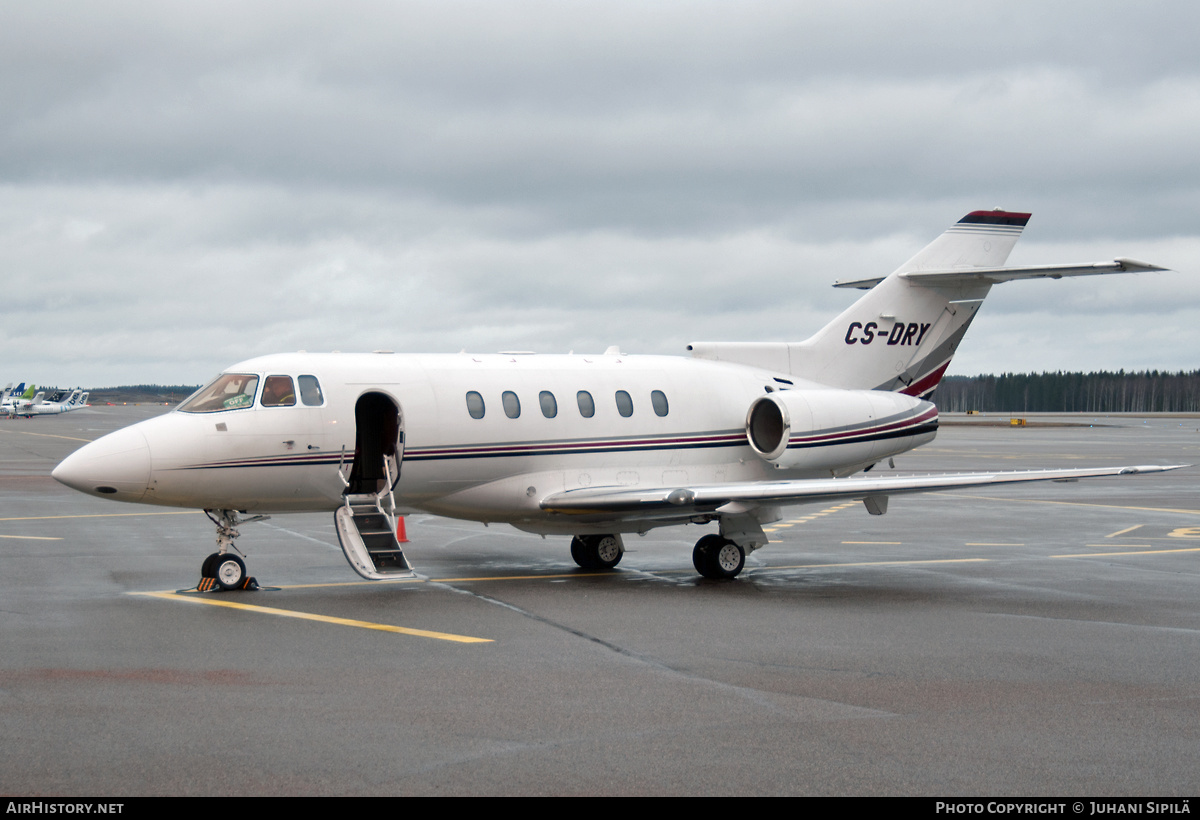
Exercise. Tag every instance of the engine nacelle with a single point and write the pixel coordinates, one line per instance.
(837, 430)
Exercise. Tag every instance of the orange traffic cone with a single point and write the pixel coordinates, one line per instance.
(401, 538)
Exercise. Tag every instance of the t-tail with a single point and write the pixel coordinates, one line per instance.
(901, 335)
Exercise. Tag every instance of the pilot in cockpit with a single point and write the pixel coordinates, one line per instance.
(278, 392)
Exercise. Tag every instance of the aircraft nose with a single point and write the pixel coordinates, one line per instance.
(114, 466)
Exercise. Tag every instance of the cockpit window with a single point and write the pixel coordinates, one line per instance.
(278, 392)
(229, 391)
(310, 391)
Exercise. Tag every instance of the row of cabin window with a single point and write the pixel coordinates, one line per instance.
(549, 405)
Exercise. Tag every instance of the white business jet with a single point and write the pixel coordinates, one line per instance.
(590, 446)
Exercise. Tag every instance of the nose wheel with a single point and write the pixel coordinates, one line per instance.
(224, 570)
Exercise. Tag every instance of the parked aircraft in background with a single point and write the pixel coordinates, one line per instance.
(76, 401)
(11, 394)
(591, 446)
(18, 404)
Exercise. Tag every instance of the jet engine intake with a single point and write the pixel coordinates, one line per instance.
(830, 429)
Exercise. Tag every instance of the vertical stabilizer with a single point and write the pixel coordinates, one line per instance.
(981, 239)
(901, 335)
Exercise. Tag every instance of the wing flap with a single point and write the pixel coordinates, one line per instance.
(709, 498)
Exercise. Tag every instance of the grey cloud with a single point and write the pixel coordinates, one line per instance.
(182, 187)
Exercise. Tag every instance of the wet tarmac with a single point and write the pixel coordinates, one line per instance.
(1033, 640)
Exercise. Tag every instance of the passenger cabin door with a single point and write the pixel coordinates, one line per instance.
(378, 445)
(366, 523)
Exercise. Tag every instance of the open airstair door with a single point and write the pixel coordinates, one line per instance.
(366, 523)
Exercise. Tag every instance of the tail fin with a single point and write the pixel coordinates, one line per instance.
(981, 239)
(901, 335)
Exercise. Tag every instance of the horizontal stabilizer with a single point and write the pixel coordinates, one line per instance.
(682, 502)
(954, 276)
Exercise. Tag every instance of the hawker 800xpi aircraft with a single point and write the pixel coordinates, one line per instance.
(590, 446)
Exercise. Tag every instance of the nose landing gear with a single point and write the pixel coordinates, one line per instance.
(223, 570)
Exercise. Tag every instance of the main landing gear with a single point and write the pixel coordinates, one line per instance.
(597, 551)
(223, 570)
(718, 558)
(715, 556)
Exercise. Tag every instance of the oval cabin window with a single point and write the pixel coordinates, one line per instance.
(475, 405)
(512, 405)
(658, 400)
(624, 404)
(587, 406)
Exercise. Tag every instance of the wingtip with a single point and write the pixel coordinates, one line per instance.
(1152, 468)
(1137, 266)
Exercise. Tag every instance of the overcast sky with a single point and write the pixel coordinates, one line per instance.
(183, 186)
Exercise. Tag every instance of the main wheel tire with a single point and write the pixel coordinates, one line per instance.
(230, 572)
(579, 552)
(606, 550)
(209, 568)
(596, 551)
(718, 558)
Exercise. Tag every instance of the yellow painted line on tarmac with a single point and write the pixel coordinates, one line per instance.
(463, 580)
(1174, 540)
(44, 435)
(779, 525)
(883, 563)
(883, 543)
(1070, 503)
(522, 577)
(381, 582)
(1122, 532)
(1133, 552)
(985, 544)
(309, 616)
(32, 537)
(101, 515)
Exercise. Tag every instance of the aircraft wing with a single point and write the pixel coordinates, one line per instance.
(682, 502)
(994, 275)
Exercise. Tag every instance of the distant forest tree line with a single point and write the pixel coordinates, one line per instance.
(157, 393)
(1103, 392)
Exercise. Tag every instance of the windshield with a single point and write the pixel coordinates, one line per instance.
(228, 392)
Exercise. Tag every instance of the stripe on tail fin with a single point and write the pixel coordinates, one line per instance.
(981, 239)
